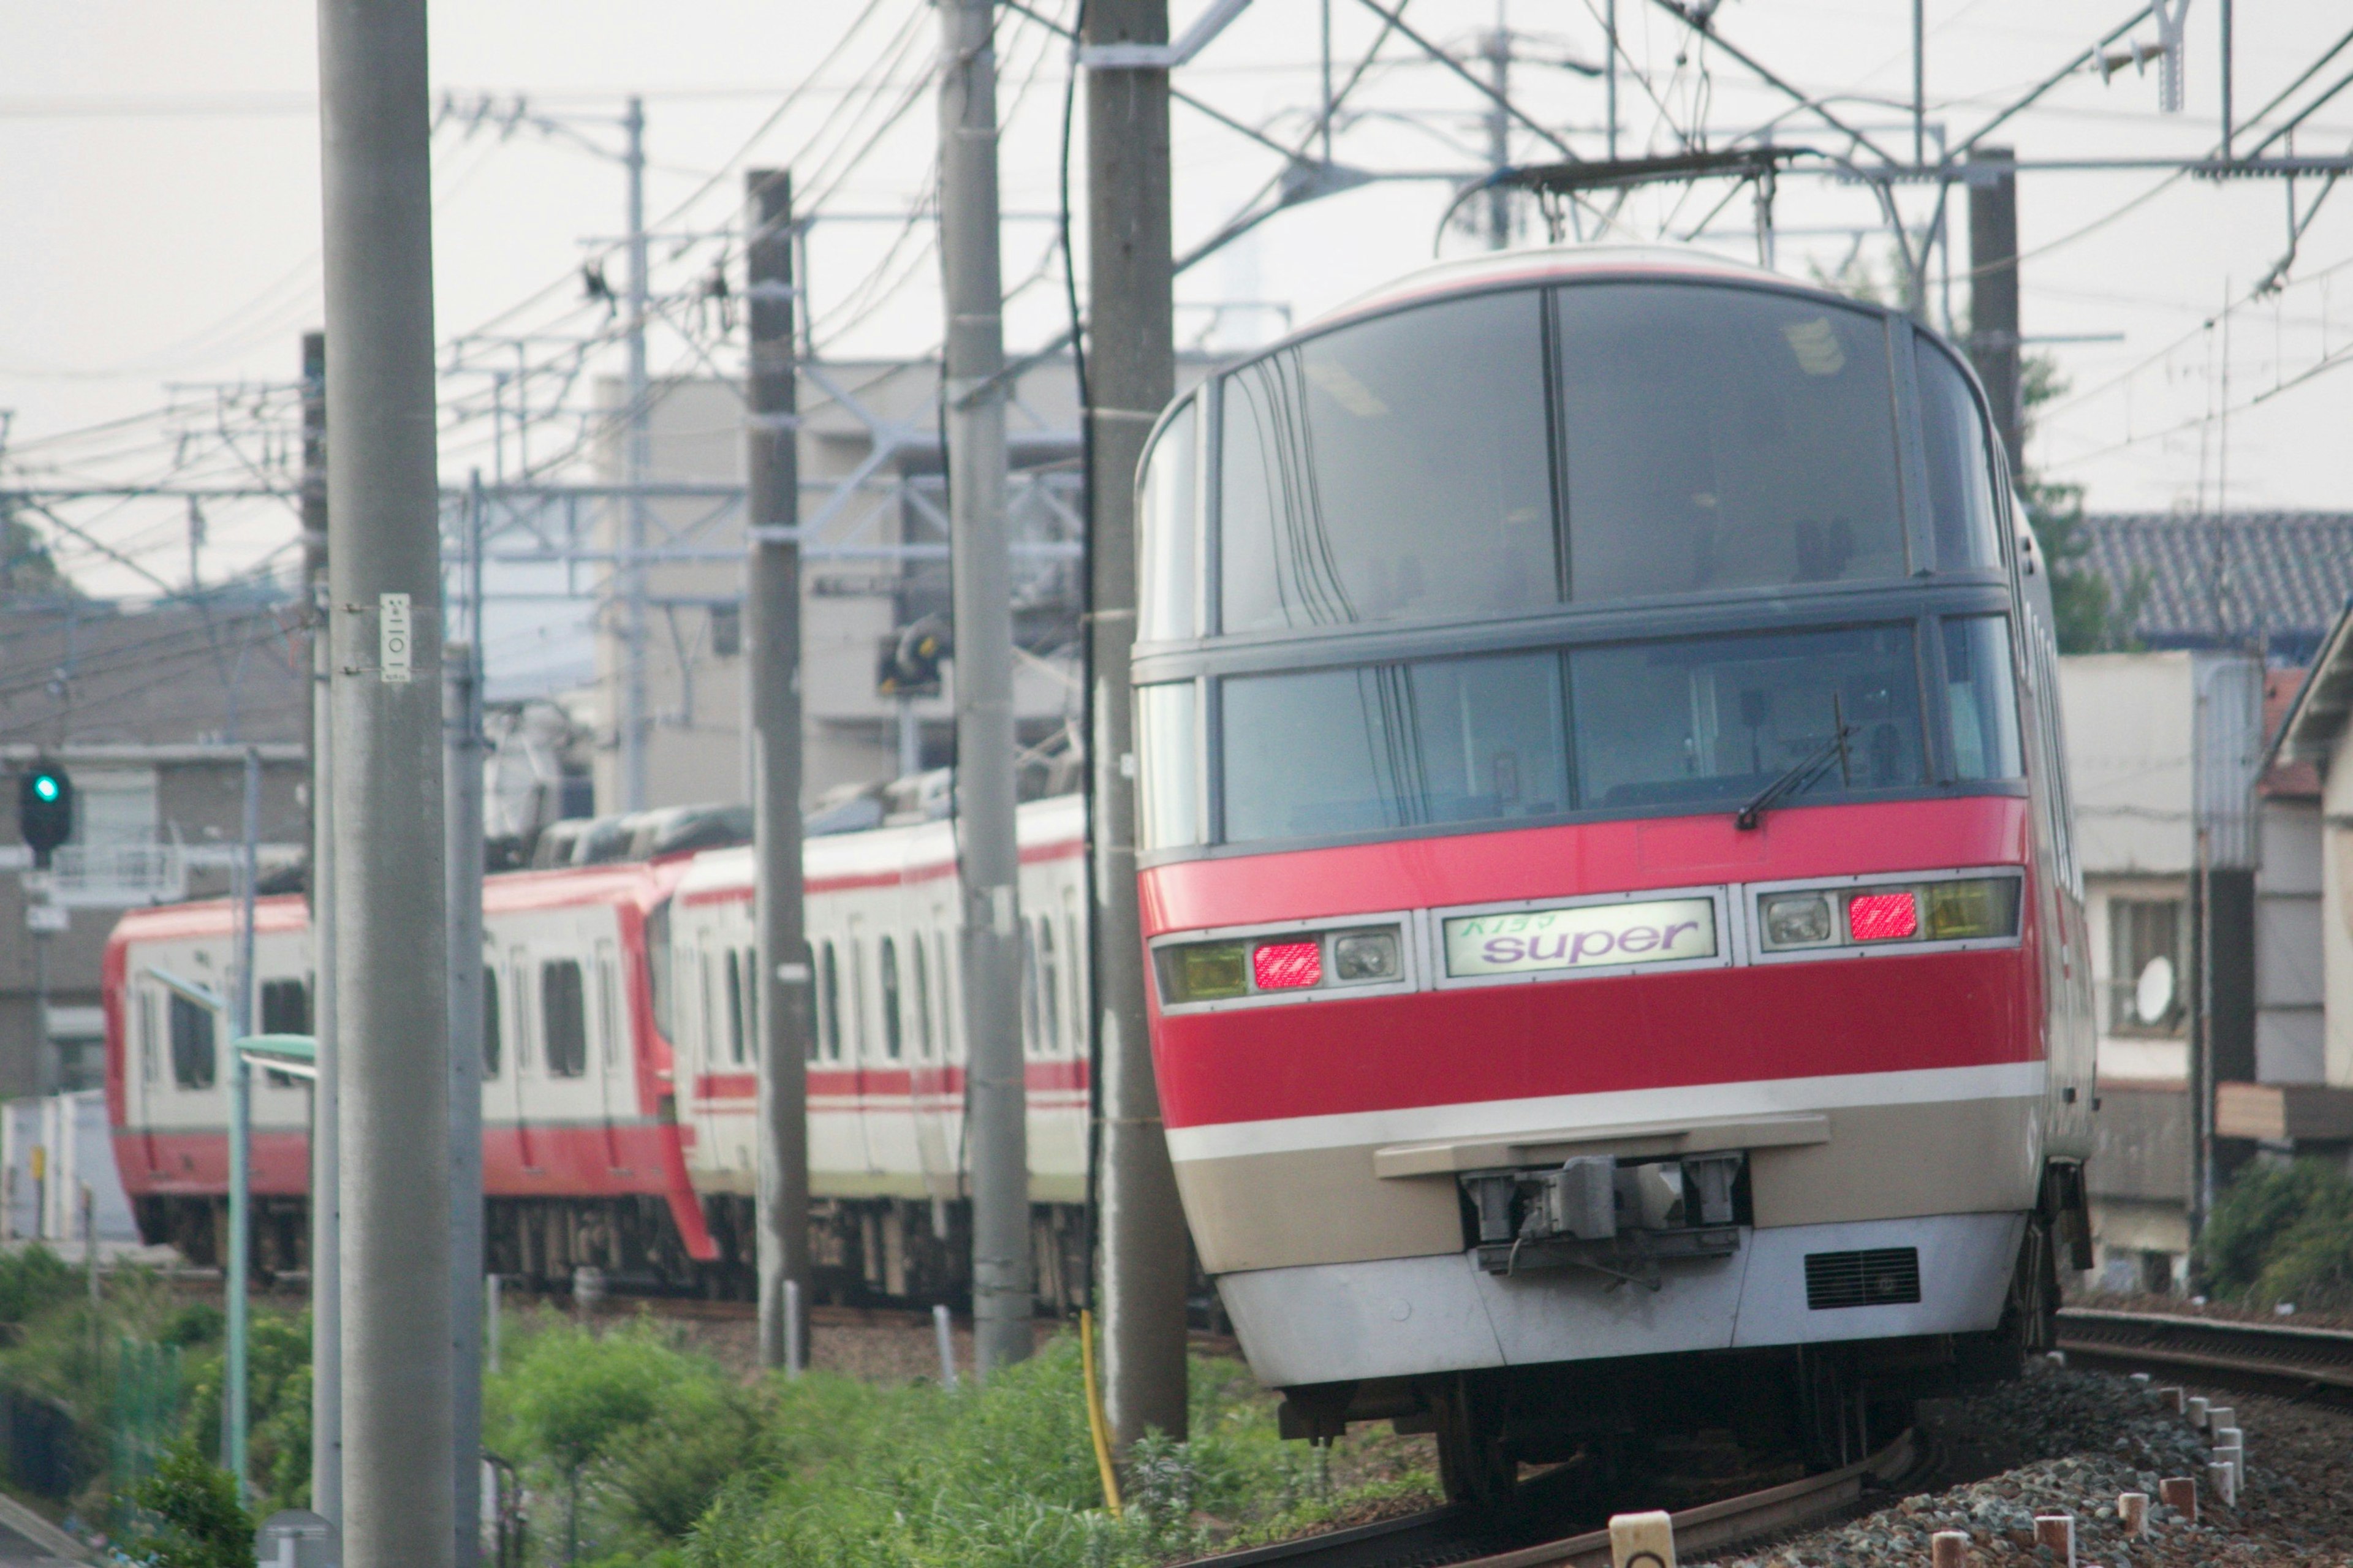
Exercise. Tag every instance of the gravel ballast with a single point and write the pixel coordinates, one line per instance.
(2073, 1442)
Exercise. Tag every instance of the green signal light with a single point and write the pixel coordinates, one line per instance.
(46, 786)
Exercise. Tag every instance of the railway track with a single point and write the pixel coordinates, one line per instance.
(1463, 1537)
(2259, 1358)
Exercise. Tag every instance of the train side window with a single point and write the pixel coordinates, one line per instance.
(1167, 750)
(734, 1007)
(1395, 468)
(1981, 697)
(149, 1033)
(829, 996)
(1167, 521)
(518, 987)
(192, 1044)
(659, 959)
(490, 1023)
(1077, 962)
(285, 1007)
(1050, 992)
(752, 1002)
(919, 976)
(609, 1006)
(1029, 989)
(706, 1011)
(1960, 471)
(564, 1015)
(888, 962)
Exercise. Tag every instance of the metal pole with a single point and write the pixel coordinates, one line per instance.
(1003, 1298)
(1499, 136)
(773, 596)
(46, 1067)
(234, 1390)
(1920, 83)
(637, 462)
(326, 1245)
(2227, 83)
(1131, 374)
(462, 714)
(1993, 293)
(384, 569)
(1609, 67)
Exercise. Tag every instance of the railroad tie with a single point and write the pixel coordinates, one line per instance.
(2057, 1531)
(1642, 1540)
(2181, 1494)
(1948, 1548)
(2132, 1513)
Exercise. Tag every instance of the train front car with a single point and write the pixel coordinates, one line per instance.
(1612, 932)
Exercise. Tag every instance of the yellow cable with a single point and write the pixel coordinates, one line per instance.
(1095, 1423)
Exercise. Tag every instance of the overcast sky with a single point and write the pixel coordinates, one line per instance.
(159, 167)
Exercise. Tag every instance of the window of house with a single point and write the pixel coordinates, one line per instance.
(192, 1044)
(564, 1015)
(2146, 973)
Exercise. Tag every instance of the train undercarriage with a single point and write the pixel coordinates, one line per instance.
(865, 1250)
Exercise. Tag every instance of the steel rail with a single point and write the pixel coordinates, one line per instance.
(1422, 1538)
(2268, 1357)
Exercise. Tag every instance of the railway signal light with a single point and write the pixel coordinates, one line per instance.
(910, 665)
(45, 809)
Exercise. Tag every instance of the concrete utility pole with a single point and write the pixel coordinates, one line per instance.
(326, 1197)
(1003, 1298)
(462, 707)
(383, 566)
(774, 598)
(1993, 293)
(636, 461)
(1131, 377)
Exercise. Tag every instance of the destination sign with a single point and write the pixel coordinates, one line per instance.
(1589, 936)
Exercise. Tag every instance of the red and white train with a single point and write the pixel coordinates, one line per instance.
(1617, 951)
(618, 1093)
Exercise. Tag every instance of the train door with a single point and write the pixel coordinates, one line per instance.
(496, 1096)
(524, 1006)
(616, 1062)
(142, 1024)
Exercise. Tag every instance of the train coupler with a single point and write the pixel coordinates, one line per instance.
(1594, 1213)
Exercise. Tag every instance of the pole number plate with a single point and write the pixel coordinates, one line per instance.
(395, 641)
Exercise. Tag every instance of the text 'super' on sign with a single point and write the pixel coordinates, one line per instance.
(1589, 936)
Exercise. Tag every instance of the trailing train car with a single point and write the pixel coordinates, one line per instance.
(618, 1078)
(886, 1069)
(1616, 947)
(582, 1159)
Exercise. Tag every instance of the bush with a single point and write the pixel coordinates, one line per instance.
(198, 1522)
(2281, 1233)
(32, 1281)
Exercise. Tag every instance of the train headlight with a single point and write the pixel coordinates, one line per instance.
(1359, 956)
(1797, 919)
(1204, 972)
(1976, 907)
(1883, 917)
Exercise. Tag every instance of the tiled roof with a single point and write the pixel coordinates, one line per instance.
(2277, 577)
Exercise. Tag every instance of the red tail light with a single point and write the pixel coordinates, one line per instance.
(1882, 917)
(1287, 966)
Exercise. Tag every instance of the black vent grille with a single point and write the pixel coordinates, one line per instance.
(1882, 1276)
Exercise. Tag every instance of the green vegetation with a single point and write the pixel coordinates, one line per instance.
(633, 1450)
(2281, 1233)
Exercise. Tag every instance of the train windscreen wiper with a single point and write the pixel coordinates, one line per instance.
(1802, 772)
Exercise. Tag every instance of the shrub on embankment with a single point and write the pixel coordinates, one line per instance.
(2282, 1232)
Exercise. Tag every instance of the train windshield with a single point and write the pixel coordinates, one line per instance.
(1508, 452)
(1702, 723)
